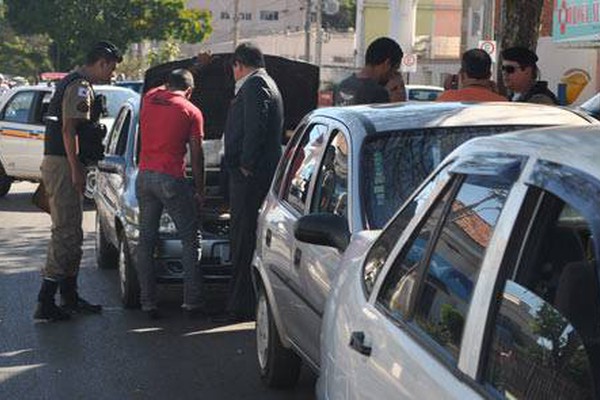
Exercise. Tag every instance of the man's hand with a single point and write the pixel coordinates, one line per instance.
(78, 177)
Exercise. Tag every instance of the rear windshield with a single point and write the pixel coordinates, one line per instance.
(394, 163)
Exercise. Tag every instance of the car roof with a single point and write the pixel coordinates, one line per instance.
(574, 146)
(415, 115)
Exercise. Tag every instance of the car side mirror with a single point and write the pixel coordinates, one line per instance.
(323, 229)
(112, 164)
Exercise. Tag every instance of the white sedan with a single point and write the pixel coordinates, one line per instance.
(484, 285)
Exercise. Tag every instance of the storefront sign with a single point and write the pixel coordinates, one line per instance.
(576, 20)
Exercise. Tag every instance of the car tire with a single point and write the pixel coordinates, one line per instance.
(91, 175)
(279, 367)
(107, 256)
(5, 181)
(129, 285)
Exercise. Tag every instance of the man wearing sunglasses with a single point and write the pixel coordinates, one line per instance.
(520, 75)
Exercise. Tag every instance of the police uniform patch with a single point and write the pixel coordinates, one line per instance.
(82, 92)
(83, 107)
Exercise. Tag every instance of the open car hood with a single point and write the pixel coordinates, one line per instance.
(298, 82)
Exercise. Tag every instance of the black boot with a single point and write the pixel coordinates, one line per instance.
(46, 309)
(70, 300)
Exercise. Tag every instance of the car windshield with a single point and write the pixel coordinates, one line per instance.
(394, 163)
(592, 105)
(115, 99)
(423, 94)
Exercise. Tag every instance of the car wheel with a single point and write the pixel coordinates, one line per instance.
(279, 367)
(130, 288)
(5, 182)
(107, 256)
(91, 174)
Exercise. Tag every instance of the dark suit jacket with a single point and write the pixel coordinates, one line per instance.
(254, 127)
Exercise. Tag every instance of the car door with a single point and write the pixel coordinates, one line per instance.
(542, 338)
(112, 171)
(317, 266)
(408, 340)
(22, 134)
(279, 218)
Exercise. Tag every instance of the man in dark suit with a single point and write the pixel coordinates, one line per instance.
(253, 134)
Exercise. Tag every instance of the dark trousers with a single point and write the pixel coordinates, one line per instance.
(246, 195)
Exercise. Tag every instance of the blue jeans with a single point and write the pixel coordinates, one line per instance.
(154, 192)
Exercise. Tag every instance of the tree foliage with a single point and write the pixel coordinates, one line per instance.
(74, 25)
(344, 19)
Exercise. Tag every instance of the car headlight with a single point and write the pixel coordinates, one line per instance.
(166, 224)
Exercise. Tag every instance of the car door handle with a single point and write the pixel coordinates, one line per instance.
(357, 342)
(268, 238)
(297, 257)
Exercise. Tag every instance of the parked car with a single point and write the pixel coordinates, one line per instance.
(592, 106)
(347, 170)
(423, 92)
(136, 86)
(22, 130)
(117, 218)
(484, 285)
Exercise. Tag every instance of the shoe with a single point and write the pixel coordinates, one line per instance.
(46, 311)
(81, 305)
(153, 314)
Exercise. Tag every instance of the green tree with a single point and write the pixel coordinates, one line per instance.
(74, 25)
(344, 19)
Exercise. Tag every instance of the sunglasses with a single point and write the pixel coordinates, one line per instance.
(509, 69)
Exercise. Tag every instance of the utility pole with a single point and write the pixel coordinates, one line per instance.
(307, 31)
(236, 23)
(319, 43)
(359, 34)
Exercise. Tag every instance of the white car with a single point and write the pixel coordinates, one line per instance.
(348, 169)
(484, 285)
(423, 92)
(22, 129)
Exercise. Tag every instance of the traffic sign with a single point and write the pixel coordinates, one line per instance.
(489, 46)
(409, 63)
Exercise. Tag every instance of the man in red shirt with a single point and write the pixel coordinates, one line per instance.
(474, 79)
(169, 123)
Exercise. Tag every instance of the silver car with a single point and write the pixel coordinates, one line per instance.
(484, 285)
(348, 170)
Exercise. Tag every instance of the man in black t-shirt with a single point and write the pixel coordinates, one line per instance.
(382, 61)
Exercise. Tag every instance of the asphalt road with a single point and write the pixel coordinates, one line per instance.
(119, 354)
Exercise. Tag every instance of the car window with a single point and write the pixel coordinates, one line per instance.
(43, 110)
(18, 107)
(115, 99)
(121, 123)
(454, 264)
(331, 188)
(393, 164)
(545, 334)
(400, 282)
(423, 94)
(287, 158)
(304, 164)
(388, 238)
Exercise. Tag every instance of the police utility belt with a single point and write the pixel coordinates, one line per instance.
(91, 132)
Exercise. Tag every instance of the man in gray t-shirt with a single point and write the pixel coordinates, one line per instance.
(382, 60)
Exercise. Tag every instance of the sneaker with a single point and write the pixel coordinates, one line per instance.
(45, 311)
(82, 306)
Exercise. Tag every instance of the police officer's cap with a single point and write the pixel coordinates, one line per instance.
(521, 55)
(105, 49)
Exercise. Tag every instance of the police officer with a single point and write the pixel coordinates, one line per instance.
(67, 136)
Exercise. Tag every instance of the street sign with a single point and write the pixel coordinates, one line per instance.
(489, 46)
(409, 63)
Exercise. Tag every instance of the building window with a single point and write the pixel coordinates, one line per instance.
(269, 15)
(224, 15)
(245, 16)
